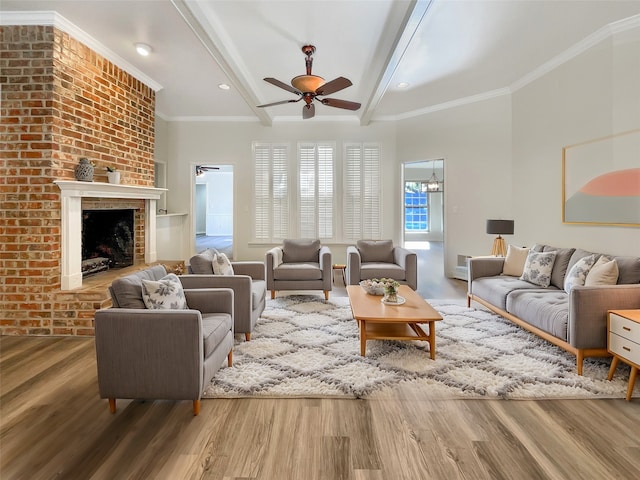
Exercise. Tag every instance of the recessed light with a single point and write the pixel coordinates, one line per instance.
(402, 85)
(143, 49)
(224, 86)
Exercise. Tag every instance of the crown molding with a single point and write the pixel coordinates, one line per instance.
(447, 105)
(572, 52)
(50, 18)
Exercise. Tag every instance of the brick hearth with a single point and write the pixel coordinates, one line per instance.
(60, 102)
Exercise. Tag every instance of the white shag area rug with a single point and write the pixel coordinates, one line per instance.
(304, 346)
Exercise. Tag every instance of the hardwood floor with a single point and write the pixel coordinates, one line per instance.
(54, 425)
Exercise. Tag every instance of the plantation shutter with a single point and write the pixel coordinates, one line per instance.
(271, 193)
(316, 187)
(362, 192)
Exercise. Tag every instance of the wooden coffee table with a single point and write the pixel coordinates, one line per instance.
(379, 321)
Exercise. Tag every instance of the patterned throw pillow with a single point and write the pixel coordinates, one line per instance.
(164, 294)
(578, 273)
(222, 265)
(538, 267)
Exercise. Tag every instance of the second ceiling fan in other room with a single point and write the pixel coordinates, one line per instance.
(309, 87)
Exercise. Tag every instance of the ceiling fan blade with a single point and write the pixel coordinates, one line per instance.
(334, 102)
(308, 111)
(282, 85)
(333, 86)
(279, 103)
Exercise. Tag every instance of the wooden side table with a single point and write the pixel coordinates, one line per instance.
(623, 342)
(342, 267)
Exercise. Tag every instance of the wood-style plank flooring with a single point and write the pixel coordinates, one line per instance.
(54, 425)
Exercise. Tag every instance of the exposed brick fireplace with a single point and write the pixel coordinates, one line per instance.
(62, 101)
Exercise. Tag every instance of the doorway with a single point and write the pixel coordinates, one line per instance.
(423, 217)
(213, 208)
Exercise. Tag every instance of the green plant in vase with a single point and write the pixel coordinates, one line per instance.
(390, 290)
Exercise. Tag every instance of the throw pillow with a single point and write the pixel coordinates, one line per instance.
(538, 267)
(515, 260)
(377, 251)
(222, 265)
(164, 294)
(578, 273)
(604, 272)
(294, 251)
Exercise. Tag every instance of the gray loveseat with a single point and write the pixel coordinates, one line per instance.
(575, 321)
(161, 354)
(247, 282)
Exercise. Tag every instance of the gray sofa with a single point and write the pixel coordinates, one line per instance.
(299, 265)
(248, 284)
(575, 321)
(161, 354)
(370, 259)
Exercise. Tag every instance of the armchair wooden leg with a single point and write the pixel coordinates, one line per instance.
(247, 336)
(196, 407)
(273, 294)
(112, 405)
(230, 358)
(326, 294)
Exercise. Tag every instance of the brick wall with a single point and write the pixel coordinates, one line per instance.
(60, 101)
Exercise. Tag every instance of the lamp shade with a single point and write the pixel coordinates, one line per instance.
(500, 227)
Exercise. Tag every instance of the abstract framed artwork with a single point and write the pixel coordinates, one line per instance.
(601, 181)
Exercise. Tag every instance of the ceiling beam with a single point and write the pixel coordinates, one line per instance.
(206, 33)
(408, 28)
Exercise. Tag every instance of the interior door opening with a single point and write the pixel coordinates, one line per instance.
(213, 210)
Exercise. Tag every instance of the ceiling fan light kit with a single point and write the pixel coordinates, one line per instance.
(308, 87)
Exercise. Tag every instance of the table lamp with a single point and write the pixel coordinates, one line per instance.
(499, 227)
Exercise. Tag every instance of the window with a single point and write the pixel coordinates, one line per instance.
(362, 207)
(316, 165)
(301, 203)
(416, 208)
(271, 192)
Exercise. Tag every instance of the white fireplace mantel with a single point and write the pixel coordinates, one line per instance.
(72, 194)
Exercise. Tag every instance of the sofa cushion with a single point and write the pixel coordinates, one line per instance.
(215, 327)
(221, 264)
(164, 294)
(563, 256)
(301, 251)
(515, 260)
(547, 310)
(579, 271)
(298, 271)
(381, 270)
(577, 255)
(379, 251)
(603, 272)
(202, 263)
(495, 289)
(126, 292)
(628, 270)
(538, 268)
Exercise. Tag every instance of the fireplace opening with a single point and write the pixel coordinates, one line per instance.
(108, 240)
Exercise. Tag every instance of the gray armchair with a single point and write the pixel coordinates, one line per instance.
(248, 285)
(161, 354)
(299, 265)
(380, 259)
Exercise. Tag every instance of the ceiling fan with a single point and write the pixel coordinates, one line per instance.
(201, 170)
(309, 87)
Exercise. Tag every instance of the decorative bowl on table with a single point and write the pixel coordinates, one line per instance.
(373, 287)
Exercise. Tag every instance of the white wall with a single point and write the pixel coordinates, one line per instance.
(191, 143)
(475, 142)
(594, 95)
